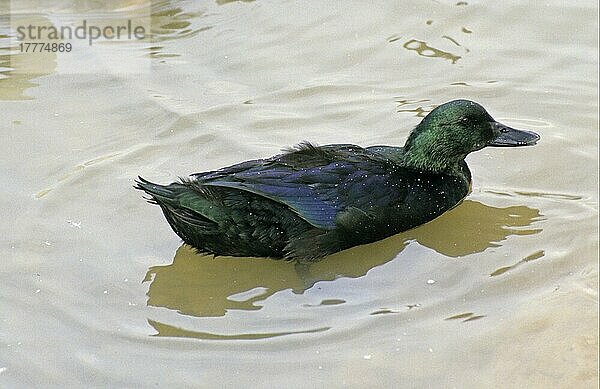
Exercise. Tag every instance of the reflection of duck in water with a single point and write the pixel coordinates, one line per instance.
(210, 288)
(313, 201)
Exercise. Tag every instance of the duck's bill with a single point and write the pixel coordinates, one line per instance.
(511, 137)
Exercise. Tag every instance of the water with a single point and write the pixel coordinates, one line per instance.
(96, 290)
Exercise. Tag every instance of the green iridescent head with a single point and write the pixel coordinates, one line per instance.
(453, 130)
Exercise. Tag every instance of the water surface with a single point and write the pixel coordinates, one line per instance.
(96, 290)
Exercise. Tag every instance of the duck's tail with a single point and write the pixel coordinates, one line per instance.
(188, 223)
(159, 194)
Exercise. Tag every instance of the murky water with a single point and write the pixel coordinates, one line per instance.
(96, 290)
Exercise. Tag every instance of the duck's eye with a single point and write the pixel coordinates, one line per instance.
(465, 120)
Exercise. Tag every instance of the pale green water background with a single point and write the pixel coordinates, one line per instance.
(96, 290)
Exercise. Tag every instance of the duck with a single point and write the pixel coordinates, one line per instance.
(312, 201)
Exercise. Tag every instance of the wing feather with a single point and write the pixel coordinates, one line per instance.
(317, 183)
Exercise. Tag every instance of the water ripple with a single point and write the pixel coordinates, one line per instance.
(177, 332)
(424, 50)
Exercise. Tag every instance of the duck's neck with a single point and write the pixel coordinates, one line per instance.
(426, 150)
(432, 160)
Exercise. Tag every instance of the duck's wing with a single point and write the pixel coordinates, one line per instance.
(317, 183)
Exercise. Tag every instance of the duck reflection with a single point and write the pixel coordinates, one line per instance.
(209, 287)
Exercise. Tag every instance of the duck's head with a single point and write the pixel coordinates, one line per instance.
(453, 130)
